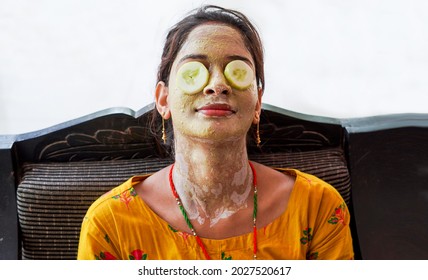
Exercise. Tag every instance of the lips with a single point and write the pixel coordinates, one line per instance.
(216, 110)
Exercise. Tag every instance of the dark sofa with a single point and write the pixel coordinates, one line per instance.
(379, 165)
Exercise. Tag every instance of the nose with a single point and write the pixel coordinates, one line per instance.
(217, 84)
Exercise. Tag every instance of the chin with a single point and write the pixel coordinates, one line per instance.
(220, 136)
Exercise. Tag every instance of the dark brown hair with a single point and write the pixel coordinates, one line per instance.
(177, 36)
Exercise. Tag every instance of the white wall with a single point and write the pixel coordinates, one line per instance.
(60, 60)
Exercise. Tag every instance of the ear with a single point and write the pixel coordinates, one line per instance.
(161, 98)
(258, 108)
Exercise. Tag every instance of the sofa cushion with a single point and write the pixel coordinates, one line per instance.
(54, 197)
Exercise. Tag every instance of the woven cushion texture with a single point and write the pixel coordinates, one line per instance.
(54, 197)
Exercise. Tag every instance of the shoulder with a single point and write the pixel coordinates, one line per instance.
(309, 194)
(312, 186)
(289, 180)
(123, 193)
(319, 200)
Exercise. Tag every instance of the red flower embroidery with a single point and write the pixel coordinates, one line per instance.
(137, 255)
(126, 196)
(338, 216)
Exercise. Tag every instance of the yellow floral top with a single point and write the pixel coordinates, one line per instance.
(315, 225)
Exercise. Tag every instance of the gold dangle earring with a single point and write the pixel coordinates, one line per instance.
(258, 141)
(163, 128)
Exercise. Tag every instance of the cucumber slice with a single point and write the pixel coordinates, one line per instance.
(192, 77)
(239, 74)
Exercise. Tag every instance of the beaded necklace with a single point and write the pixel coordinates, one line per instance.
(189, 224)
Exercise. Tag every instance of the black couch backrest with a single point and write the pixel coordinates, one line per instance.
(48, 178)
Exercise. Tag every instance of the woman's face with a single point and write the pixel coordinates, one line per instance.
(219, 111)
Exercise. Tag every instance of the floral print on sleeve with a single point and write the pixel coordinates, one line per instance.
(126, 196)
(307, 236)
(338, 216)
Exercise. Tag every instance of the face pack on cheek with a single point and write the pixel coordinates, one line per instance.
(193, 76)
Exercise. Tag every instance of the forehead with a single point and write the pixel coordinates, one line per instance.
(214, 39)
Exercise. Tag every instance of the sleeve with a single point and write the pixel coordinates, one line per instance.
(332, 238)
(95, 243)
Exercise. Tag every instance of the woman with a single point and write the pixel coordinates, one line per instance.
(213, 203)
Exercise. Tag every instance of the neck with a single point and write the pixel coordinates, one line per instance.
(213, 180)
